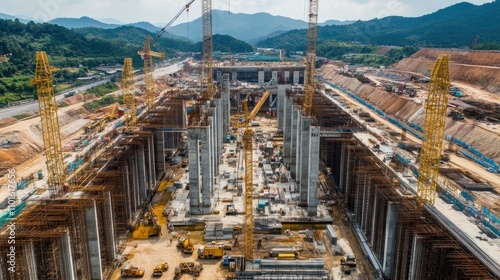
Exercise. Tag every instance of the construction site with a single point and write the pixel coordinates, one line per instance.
(260, 171)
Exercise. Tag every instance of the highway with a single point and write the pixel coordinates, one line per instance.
(16, 110)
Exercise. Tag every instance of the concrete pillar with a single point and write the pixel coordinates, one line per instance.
(68, 268)
(416, 259)
(287, 77)
(374, 216)
(219, 77)
(281, 106)
(226, 107)
(390, 237)
(194, 169)
(260, 79)
(294, 140)
(152, 162)
(234, 76)
(287, 130)
(206, 168)
(296, 77)
(312, 198)
(141, 171)
(343, 167)
(160, 153)
(93, 242)
(274, 76)
(111, 223)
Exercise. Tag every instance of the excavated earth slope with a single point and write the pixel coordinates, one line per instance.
(480, 68)
(407, 110)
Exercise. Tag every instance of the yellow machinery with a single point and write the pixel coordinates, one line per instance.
(435, 118)
(128, 91)
(50, 123)
(147, 55)
(249, 116)
(207, 63)
(312, 34)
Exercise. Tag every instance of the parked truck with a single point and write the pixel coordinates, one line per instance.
(132, 271)
(210, 251)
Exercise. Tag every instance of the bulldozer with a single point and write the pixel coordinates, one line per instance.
(159, 269)
(348, 264)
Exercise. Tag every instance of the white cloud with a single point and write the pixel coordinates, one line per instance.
(163, 10)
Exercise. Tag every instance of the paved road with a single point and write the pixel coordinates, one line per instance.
(16, 110)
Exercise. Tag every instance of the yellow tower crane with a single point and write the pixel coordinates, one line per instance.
(435, 118)
(207, 63)
(147, 55)
(248, 146)
(128, 92)
(50, 124)
(312, 34)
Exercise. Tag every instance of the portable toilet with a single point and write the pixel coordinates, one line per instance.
(261, 204)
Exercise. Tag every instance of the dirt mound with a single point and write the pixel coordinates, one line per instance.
(479, 68)
(77, 98)
(30, 137)
(7, 121)
(407, 110)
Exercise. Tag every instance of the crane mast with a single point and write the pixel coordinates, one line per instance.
(50, 123)
(248, 146)
(207, 63)
(128, 91)
(312, 34)
(147, 55)
(434, 124)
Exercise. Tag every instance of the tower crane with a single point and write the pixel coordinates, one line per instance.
(248, 146)
(147, 55)
(435, 118)
(50, 123)
(207, 63)
(312, 34)
(128, 92)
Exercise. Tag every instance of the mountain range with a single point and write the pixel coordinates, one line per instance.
(250, 28)
(454, 26)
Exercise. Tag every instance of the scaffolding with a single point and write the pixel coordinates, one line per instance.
(128, 92)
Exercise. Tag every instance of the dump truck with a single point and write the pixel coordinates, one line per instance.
(132, 271)
(159, 269)
(189, 267)
(348, 264)
(210, 251)
(187, 246)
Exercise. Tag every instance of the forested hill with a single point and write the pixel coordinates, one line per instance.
(454, 26)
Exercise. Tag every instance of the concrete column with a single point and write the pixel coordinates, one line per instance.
(141, 171)
(416, 259)
(226, 107)
(219, 77)
(343, 167)
(160, 153)
(296, 77)
(111, 223)
(287, 130)
(312, 198)
(274, 76)
(206, 168)
(294, 140)
(260, 79)
(390, 237)
(68, 268)
(281, 106)
(287, 77)
(152, 165)
(194, 169)
(374, 217)
(93, 242)
(234, 76)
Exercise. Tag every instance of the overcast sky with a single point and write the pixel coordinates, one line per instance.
(162, 11)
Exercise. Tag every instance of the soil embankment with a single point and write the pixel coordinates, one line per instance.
(408, 110)
(479, 68)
